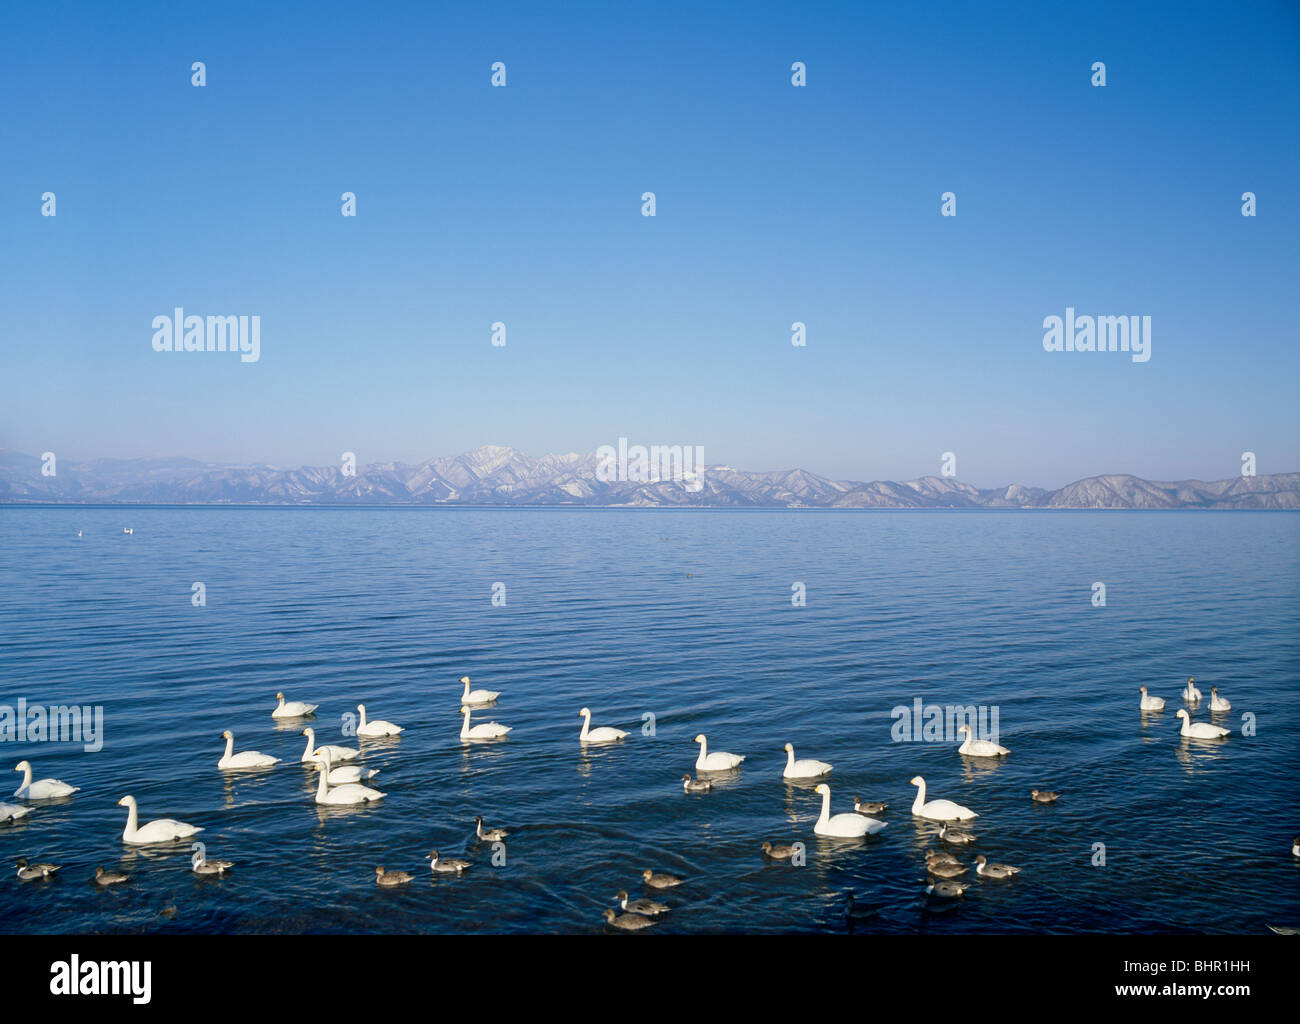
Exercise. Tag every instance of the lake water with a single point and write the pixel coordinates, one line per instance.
(686, 616)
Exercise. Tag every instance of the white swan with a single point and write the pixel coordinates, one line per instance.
(12, 812)
(41, 789)
(844, 826)
(350, 793)
(1190, 693)
(938, 810)
(344, 774)
(335, 753)
(292, 708)
(805, 769)
(376, 728)
(482, 731)
(477, 696)
(1200, 730)
(230, 761)
(604, 734)
(1149, 703)
(1218, 703)
(979, 748)
(160, 830)
(718, 761)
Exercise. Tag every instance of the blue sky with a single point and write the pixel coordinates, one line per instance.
(775, 204)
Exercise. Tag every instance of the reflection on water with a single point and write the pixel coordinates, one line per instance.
(902, 607)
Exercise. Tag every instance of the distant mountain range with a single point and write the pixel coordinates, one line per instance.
(496, 475)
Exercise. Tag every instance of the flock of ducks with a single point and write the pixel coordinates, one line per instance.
(341, 782)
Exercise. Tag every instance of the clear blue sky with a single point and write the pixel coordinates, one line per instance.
(775, 204)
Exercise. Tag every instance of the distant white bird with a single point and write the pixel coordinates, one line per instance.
(376, 728)
(312, 752)
(843, 826)
(1149, 703)
(1218, 703)
(718, 761)
(978, 748)
(230, 761)
(604, 734)
(293, 708)
(482, 731)
(349, 793)
(1190, 693)
(805, 769)
(128, 529)
(41, 789)
(477, 696)
(1200, 730)
(938, 810)
(78, 534)
(160, 830)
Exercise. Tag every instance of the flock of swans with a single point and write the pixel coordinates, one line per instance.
(341, 780)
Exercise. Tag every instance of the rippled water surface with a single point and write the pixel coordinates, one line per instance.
(686, 616)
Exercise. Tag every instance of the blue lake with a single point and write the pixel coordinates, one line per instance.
(685, 616)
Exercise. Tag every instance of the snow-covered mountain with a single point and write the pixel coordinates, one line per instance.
(500, 475)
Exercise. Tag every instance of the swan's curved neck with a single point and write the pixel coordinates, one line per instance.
(133, 817)
(789, 758)
(704, 748)
(826, 806)
(586, 725)
(311, 743)
(322, 787)
(361, 710)
(464, 729)
(466, 687)
(230, 745)
(919, 802)
(27, 777)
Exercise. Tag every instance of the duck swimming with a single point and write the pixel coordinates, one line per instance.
(488, 835)
(986, 870)
(868, 806)
(696, 785)
(390, 878)
(628, 922)
(31, 872)
(644, 907)
(106, 878)
(446, 865)
(659, 879)
(1043, 796)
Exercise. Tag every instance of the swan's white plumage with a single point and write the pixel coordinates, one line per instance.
(1149, 703)
(1200, 730)
(41, 789)
(603, 734)
(292, 708)
(1218, 703)
(808, 768)
(477, 696)
(979, 748)
(843, 826)
(230, 761)
(482, 731)
(350, 793)
(718, 761)
(343, 774)
(311, 751)
(377, 728)
(160, 830)
(1190, 693)
(12, 812)
(938, 810)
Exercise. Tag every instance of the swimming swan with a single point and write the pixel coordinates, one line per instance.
(979, 748)
(805, 769)
(343, 774)
(12, 812)
(230, 761)
(349, 793)
(1200, 730)
(1218, 703)
(292, 709)
(376, 728)
(311, 751)
(482, 731)
(1190, 693)
(477, 696)
(604, 734)
(160, 830)
(938, 810)
(1149, 703)
(718, 761)
(41, 789)
(844, 826)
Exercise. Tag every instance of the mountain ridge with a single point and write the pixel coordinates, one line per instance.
(502, 475)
